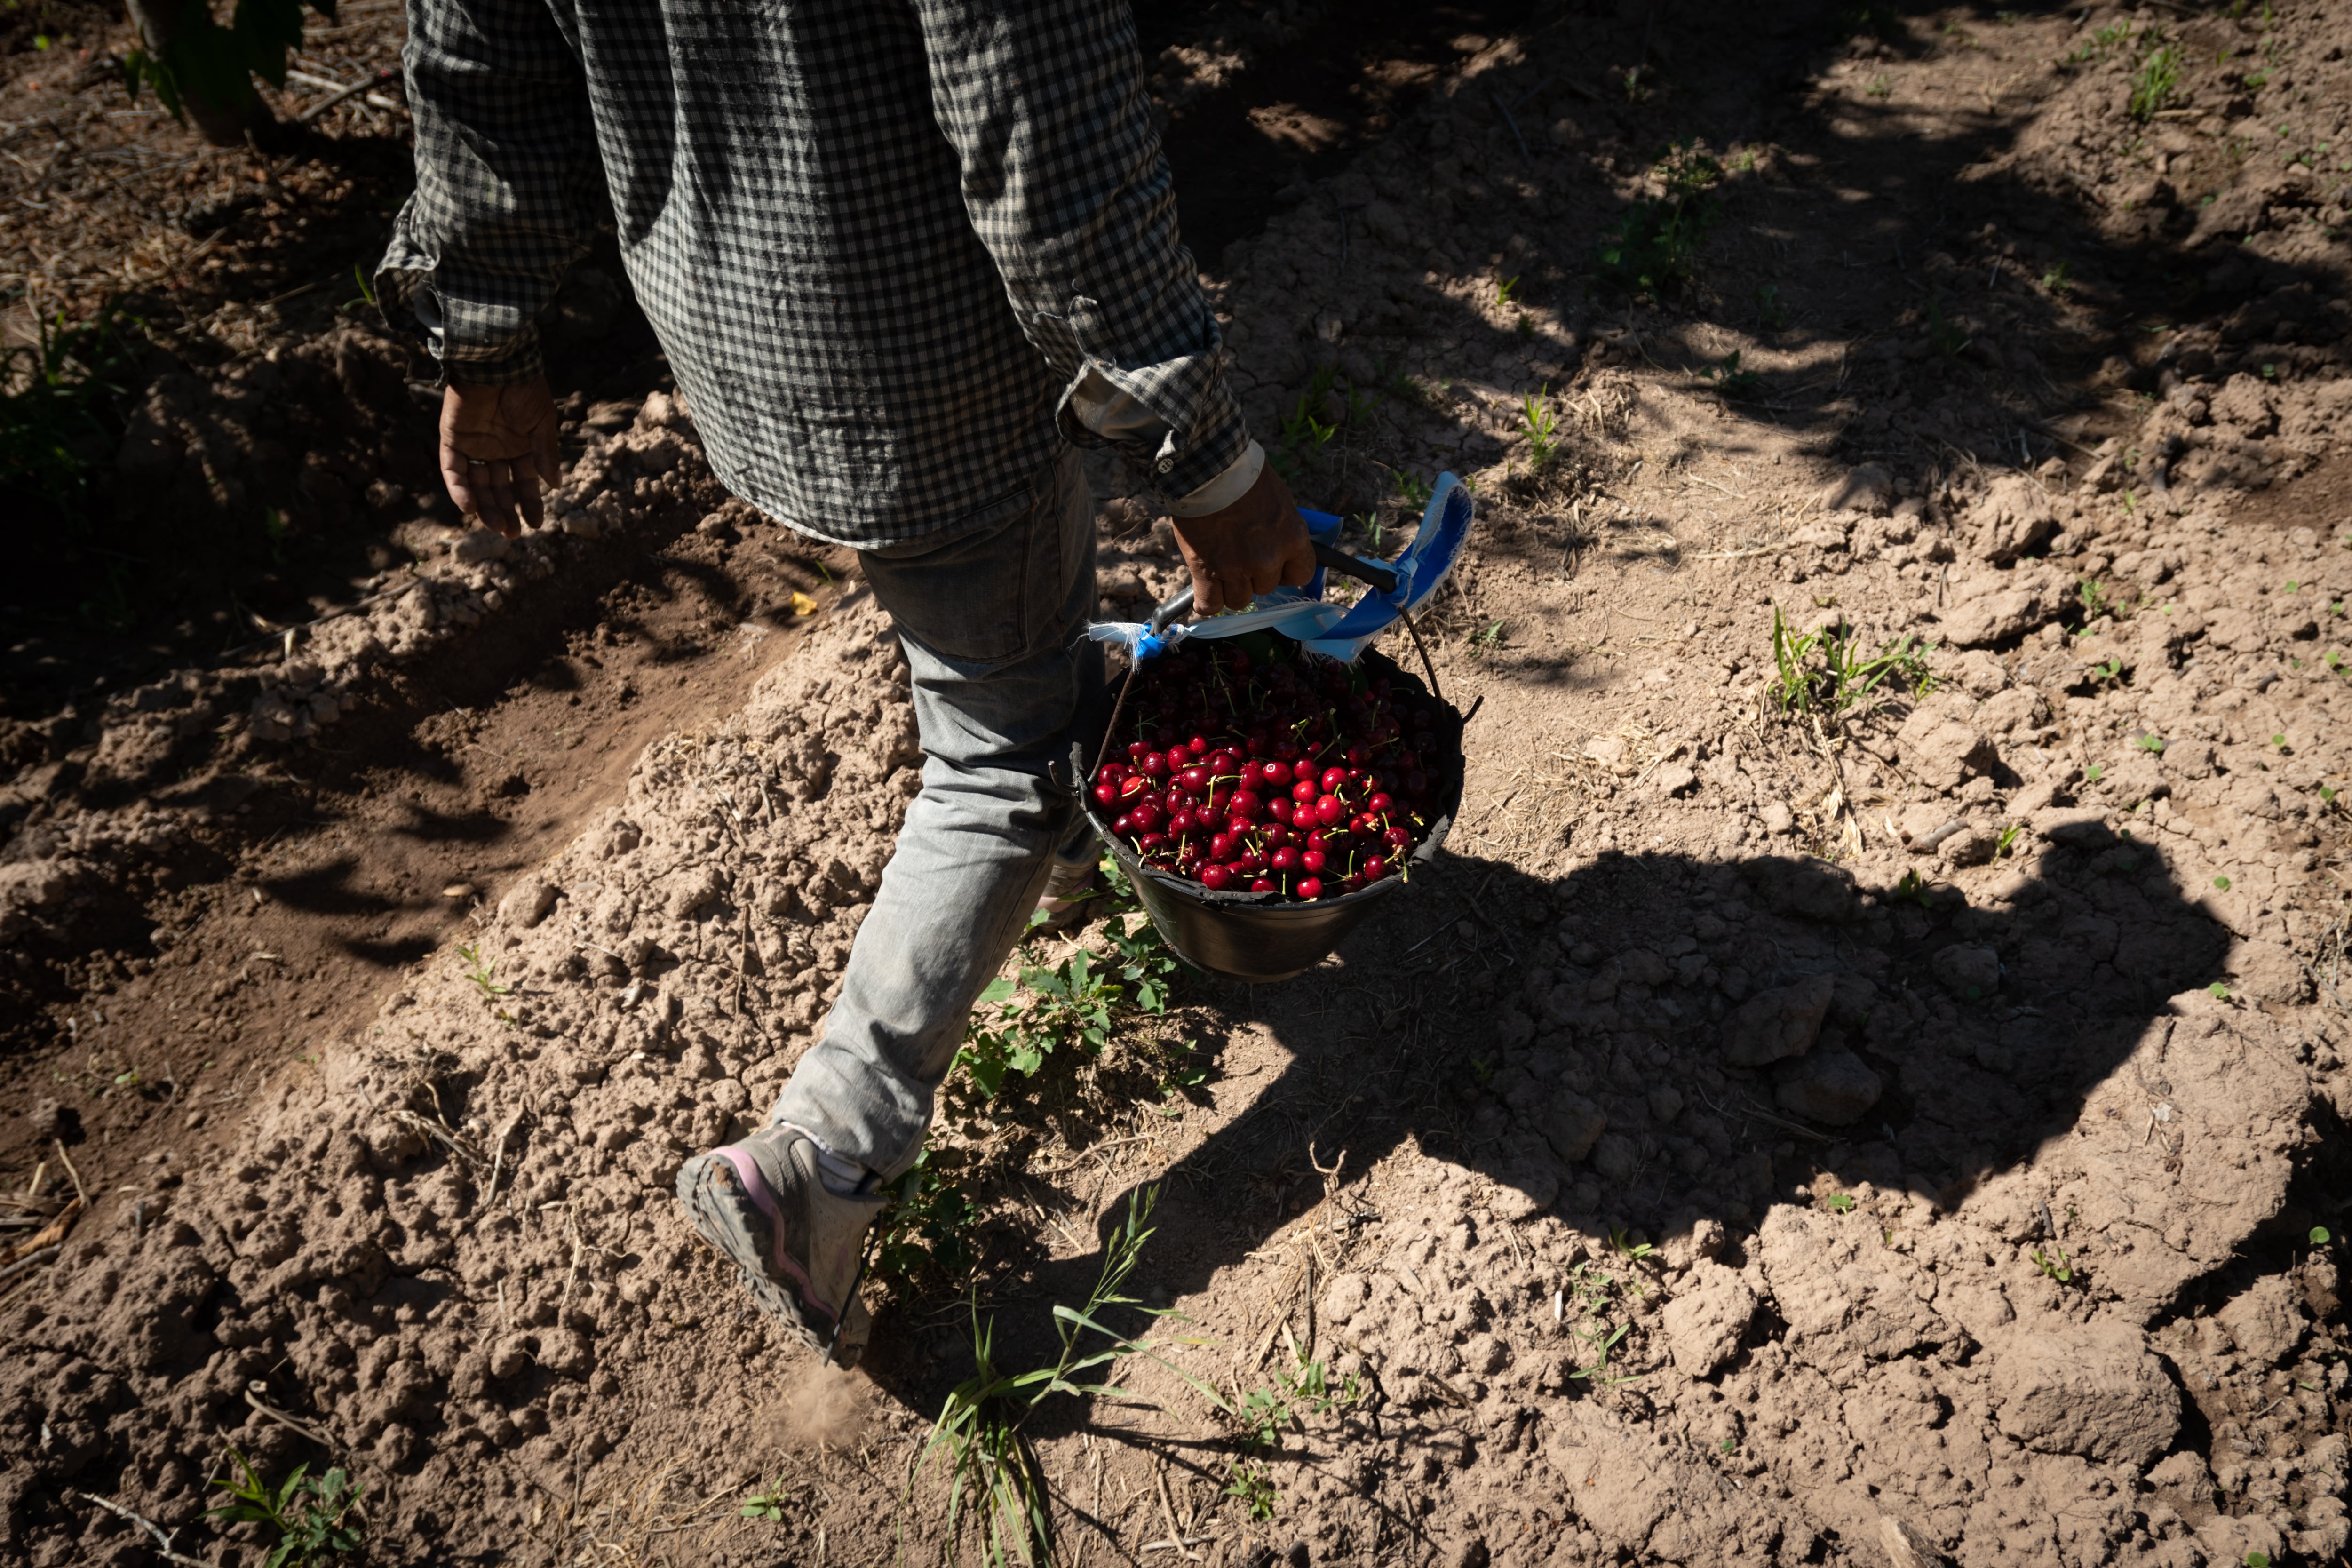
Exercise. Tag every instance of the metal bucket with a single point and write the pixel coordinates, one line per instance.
(1264, 937)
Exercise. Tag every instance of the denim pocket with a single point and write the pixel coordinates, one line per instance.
(1000, 591)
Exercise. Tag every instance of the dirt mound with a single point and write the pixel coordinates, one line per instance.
(1872, 1060)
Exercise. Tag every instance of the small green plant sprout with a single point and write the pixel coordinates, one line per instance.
(1487, 641)
(310, 1514)
(768, 1503)
(128, 1078)
(2278, 742)
(1729, 379)
(2222, 883)
(1540, 424)
(2008, 836)
(2159, 74)
(2320, 1236)
(1412, 489)
(1913, 889)
(2219, 992)
(1770, 314)
(2054, 1264)
(1946, 339)
(1603, 1340)
(2094, 595)
(2292, 587)
(1623, 1245)
(1728, 1446)
(1839, 1202)
(482, 972)
(1824, 673)
(1507, 288)
(2095, 773)
(1653, 248)
(2150, 743)
(1880, 88)
(2258, 1559)
(2058, 277)
(979, 1434)
(1253, 1486)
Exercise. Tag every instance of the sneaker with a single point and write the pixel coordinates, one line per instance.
(1068, 890)
(802, 1247)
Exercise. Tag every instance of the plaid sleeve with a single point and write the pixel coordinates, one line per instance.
(1062, 175)
(507, 183)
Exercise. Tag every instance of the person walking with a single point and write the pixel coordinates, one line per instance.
(905, 256)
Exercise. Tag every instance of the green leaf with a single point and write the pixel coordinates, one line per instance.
(999, 990)
(2319, 1236)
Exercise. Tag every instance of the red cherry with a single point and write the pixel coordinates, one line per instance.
(1397, 838)
(1374, 869)
(1279, 808)
(1311, 887)
(1154, 766)
(1285, 860)
(1214, 876)
(1359, 756)
(1106, 794)
(1285, 750)
(1221, 847)
(1244, 806)
(1330, 809)
(1381, 804)
(1210, 816)
(1180, 822)
(1198, 745)
(1319, 839)
(1262, 886)
(1146, 817)
(1304, 792)
(1334, 780)
(1305, 769)
(1134, 750)
(1193, 779)
(1152, 842)
(1310, 860)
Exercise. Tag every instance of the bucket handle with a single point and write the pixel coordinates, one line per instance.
(1179, 605)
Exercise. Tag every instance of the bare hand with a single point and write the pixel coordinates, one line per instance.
(1251, 547)
(497, 450)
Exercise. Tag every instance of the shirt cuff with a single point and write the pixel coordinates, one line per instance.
(1225, 489)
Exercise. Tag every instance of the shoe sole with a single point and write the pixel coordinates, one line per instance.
(726, 1215)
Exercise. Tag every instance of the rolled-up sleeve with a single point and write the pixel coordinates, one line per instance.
(1064, 183)
(507, 184)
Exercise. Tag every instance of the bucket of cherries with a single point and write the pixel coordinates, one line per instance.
(1260, 795)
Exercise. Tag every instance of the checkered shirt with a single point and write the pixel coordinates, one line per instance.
(880, 239)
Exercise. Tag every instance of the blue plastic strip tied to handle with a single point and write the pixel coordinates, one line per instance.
(1339, 631)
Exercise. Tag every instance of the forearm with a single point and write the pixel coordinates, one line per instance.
(506, 177)
(1065, 183)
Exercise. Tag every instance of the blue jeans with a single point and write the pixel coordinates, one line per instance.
(992, 622)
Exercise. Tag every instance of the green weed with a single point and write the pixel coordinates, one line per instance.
(2058, 277)
(482, 973)
(2008, 836)
(1253, 1486)
(1825, 673)
(1839, 1202)
(2095, 600)
(1770, 314)
(1507, 288)
(2102, 44)
(1729, 379)
(1540, 425)
(978, 1435)
(2054, 1264)
(217, 65)
(767, 1503)
(2153, 743)
(308, 1513)
(57, 398)
(1946, 339)
(2159, 74)
(1413, 491)
(1653, 247)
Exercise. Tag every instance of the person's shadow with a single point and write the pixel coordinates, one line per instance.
(1658, 1049)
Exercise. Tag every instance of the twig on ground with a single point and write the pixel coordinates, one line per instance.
(68, 1159)
(291, 1423)
(163, 1537)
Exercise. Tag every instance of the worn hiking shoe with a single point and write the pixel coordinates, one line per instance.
(763, 1203)
(1068, 890)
